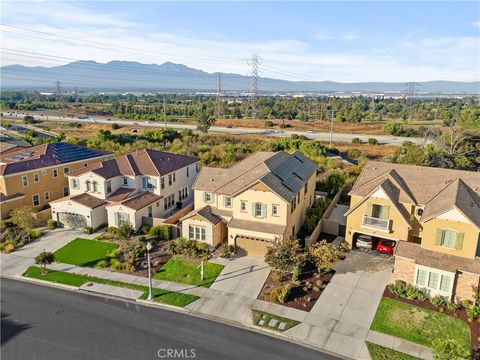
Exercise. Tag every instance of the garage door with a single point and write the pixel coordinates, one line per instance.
(71, 221)
(251, 246)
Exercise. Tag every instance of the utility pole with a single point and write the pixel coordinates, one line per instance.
(218, 102)
(165, 112)
(332, 115)
(254, 63)
(411, 93)
(58, 91)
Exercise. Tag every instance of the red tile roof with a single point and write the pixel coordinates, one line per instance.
(84, 199)
(139, 201)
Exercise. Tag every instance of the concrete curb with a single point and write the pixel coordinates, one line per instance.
(41, 282)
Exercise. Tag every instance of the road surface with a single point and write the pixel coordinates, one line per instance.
(40, 322)
(317, 135)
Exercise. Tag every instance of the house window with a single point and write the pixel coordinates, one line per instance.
(66, 191)
(182, 193)
(275, 210)
(416, 239)
(158, 203)
(122, 218)
(188, 171)
(305, 189)
(88, 186)
(174, 179)
(197, 232)
(258, 210)
(25, 181)
(55, 173)
(169, 179)
(298, 199)
(44, 172)
(125, 181)
(196, 168)
(380, 211)
(95, 186)
(108, 185)
(75, 183)
(66, 170)
(36, 177)
(228, 201)
(148, 183)
(243, 205)
(149, 209)
(208, 197)
(162, 183)
(448, 238)
(36, 200)
(46, 195)
(168, 202)
(437, 282)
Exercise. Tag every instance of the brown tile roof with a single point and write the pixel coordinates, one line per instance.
(141, 162)
(139, 201)
(4, 197)
(37, 157)
(284, 173)
(205, 212)
(120, 194)
(84, 199)
(435, 259)
(257, 226)
(439, 190)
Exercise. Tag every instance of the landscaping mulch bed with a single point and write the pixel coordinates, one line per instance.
(299, 298)
(459, 314)
(159, 255)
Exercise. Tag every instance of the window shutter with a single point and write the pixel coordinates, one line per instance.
(204, 196)
(225, 200)
(264, 210)
(213, 198)
(385, 212)
(459, 241)
(369, 209)
(438, 237)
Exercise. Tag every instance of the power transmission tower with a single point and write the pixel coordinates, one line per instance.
(332, 116)
(411, 92)
(58, 90)
(165, 112)
(218, 101)
(254, 63)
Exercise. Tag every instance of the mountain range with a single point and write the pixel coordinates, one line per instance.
(134, 76)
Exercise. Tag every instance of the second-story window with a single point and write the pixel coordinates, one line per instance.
(170, 179)
(108, 186)
(36, 177)
(305, 189)
(449, 238)
(88, 185)
(162, 183)
(208, 197)
(95, 186)
(243, 205)
(188, 171)
(125, 181)
(55, 173)
(258, 210)
(25, 181)
(228, 201)
(66, 170)
(75, 183)
(148, 183)
(275, 210)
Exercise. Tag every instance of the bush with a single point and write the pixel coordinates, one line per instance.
(372, 141)
(269, 123)
(44, 258)
(115, 126)
(35, 234)
(399, 288)
(8, 246)
(356, 140)
(102, 264)
(125, 231)
(226, 251)
(323, 255)
(112, 229)
(100, 227)
(160, 232)
(473, 311)
(354, 153)
(439, 301)
(51, 224)
(88, 230)
(189, 247)
(281, 295)
(116, 264)
(402, 289)
(144, 229)
(451, 305)
(448, 349)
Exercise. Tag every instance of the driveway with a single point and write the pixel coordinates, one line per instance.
(15, 263)
(243, 276)
(341, 318)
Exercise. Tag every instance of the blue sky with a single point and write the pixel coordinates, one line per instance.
(340, 41)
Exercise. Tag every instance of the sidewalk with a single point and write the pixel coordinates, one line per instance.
(401, 345)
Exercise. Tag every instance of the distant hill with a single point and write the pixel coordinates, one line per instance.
(134, 76)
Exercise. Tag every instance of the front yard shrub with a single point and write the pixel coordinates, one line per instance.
(8, 246)
(449, 349)
(24, 218)
(473, 311)
(51, 224)
(281, 294)
(35, 234)
(144, 229)
(88, 230)
(125, 231)
(116, 264)
(189, 247)
(44, 258)
(323, 255)
(112, 229)
(226, 251)
(102, 264)
(439, 301)
(402, 289)
(285, 255)
(100, 227)
(160, 232)
(452, 305)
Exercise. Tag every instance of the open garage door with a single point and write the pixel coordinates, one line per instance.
(71, 221)
(251, 246)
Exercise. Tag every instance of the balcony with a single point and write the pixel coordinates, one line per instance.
(376, 223)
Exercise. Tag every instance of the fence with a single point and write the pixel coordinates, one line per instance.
(43, 216)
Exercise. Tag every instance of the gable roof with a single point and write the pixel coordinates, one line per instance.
(207, 212)
(439, 190)
(37, 157)
(138, 201)
(141, 162)
(284, 173)
(84, 199)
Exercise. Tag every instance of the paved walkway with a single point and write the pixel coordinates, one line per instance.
(401, 345)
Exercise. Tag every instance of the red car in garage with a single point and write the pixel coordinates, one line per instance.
(386, 246)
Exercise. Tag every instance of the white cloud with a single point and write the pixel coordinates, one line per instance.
(475, 23)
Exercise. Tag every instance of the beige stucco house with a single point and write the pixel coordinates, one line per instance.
(129, 188)
(433, 215)
(36, 175)
(254, 202)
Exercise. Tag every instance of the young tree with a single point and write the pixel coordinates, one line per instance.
(324, 255)
(285, 255)
(334, 182)
(24, 218)
(44, 258)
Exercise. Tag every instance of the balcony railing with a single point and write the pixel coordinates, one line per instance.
(376, 222)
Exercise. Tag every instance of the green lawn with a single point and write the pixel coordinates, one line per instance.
(378, 352)
(162, 296)
(416, 324)
(83, 252)
(180, 269)
(258, 316)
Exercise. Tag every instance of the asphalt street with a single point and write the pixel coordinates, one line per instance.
(317, 135)
(39, 322)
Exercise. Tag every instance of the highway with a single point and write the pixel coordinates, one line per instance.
(40, 322)
(317, 135)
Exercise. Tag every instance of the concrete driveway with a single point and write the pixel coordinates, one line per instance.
(243, 276)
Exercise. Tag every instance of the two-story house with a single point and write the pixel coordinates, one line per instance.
(36, 175)
(254, 202)
(433, 214)
(145, 183)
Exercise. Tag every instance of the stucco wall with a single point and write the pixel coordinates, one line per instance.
(465, 282)
(94, 217)
(198, 221)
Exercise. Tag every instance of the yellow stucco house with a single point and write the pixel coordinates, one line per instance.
(254, 202)
(36, 175)
(433, 214)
